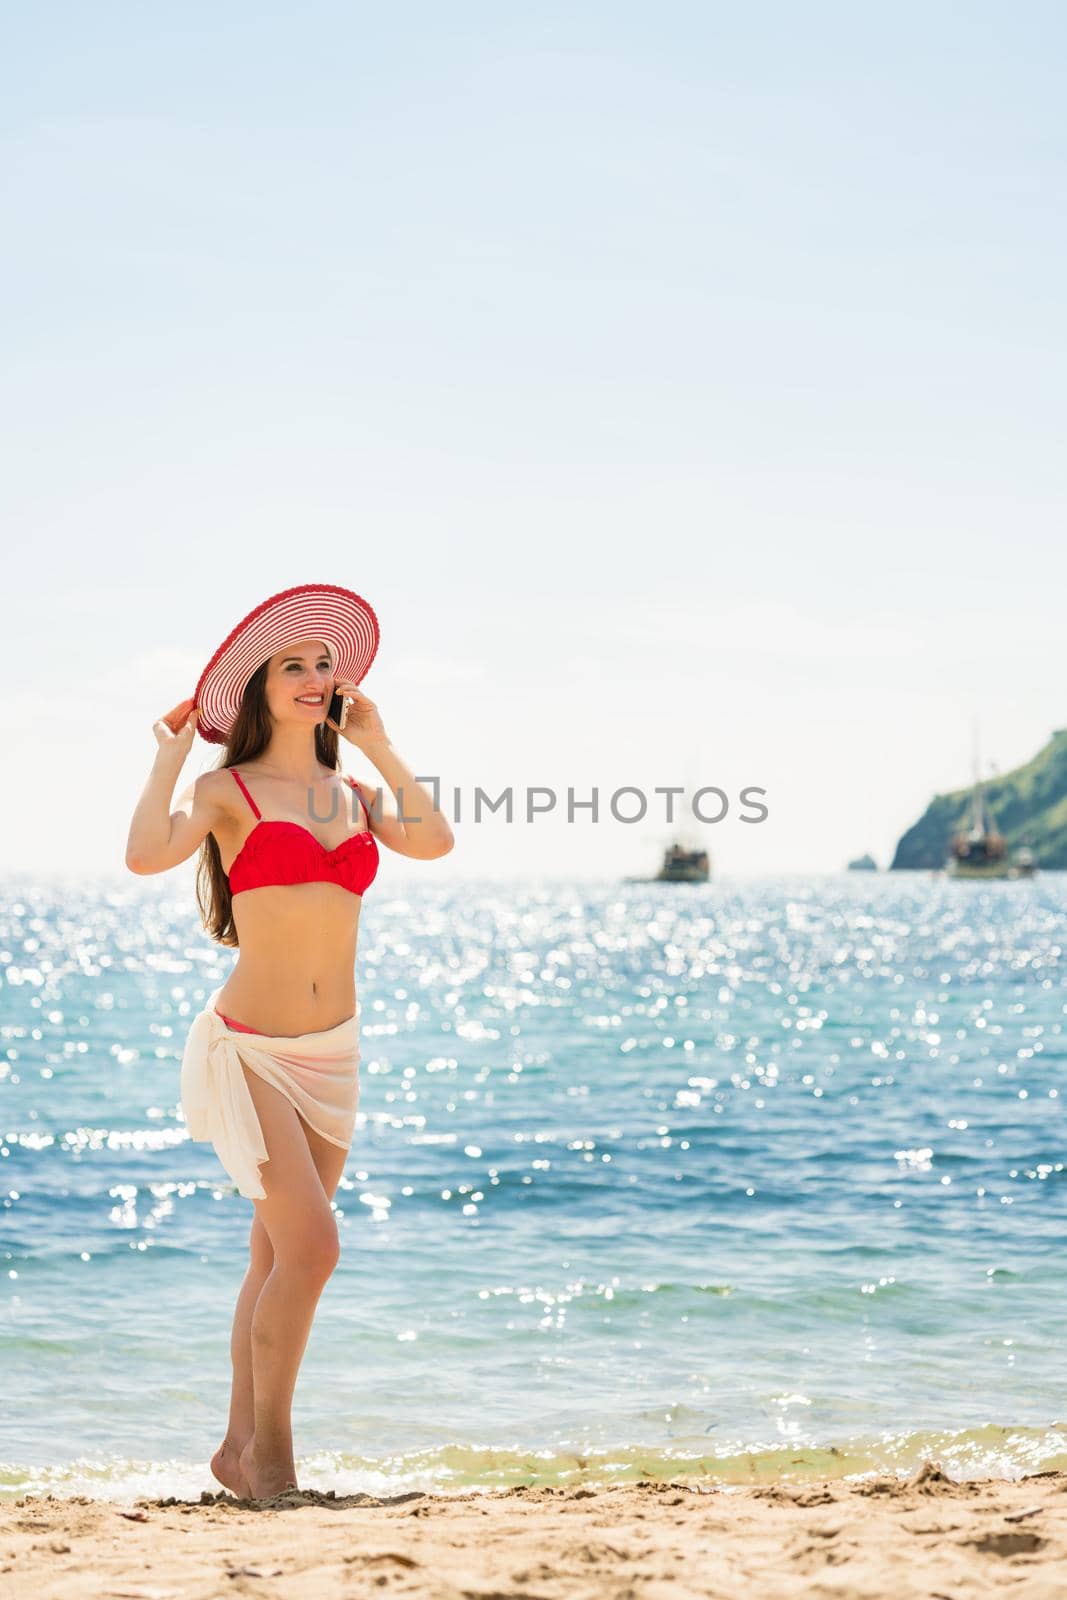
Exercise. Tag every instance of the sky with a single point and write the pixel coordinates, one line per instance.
(682, 385)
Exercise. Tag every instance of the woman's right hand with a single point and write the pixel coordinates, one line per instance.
(174, 730)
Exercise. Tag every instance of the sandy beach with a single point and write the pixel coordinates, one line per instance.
(928, 1536)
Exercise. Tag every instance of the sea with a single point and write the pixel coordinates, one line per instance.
(729, 1183)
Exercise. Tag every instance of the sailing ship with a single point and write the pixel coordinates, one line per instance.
(979, 849)
(683, 862)
(683, 866)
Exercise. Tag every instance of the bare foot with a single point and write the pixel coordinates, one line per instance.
(226, 1466)
(265, 1478)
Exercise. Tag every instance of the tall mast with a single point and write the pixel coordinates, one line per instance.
(979, 827)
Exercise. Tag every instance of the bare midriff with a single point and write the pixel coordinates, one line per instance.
(296, 971)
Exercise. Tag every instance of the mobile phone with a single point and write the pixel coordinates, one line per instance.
(339, 710)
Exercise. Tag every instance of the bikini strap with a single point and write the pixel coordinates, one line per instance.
(353, 785)
(244, 791)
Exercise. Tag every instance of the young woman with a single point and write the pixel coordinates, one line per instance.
(270, 1071)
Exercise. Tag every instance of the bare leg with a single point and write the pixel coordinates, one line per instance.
(300, 1178)
(225, 1463)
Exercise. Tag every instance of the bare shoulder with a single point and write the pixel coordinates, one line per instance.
(217, 784)
(383, 819)
(212, 794)
(200, 809)
(372, 797)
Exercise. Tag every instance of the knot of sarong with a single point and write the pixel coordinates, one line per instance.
(217, 1103)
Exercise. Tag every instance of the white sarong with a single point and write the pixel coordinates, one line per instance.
(318, 1073)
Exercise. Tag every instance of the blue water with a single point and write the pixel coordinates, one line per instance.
(749, 1180)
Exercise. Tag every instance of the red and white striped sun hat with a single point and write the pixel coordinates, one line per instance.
(341, 619)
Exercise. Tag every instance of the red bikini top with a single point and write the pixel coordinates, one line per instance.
(286, 852)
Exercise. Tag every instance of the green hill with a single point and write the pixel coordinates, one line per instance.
(1029, 806)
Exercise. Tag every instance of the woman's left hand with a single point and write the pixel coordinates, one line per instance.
(363, 725)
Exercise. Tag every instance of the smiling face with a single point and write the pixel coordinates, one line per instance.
(299, 683)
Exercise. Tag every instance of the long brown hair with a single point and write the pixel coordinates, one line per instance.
(249, 737)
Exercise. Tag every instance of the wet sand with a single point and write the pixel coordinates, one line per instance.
(928, 1536)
